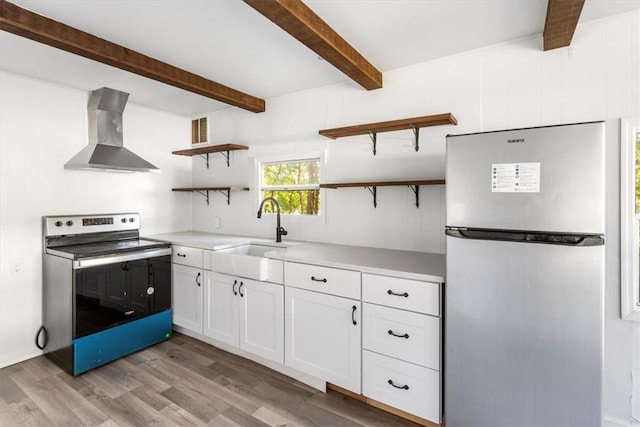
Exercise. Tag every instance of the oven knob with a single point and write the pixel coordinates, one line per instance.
(131, 220)
(123, 220)
(58, 223)
(69, 223)
(150, 290)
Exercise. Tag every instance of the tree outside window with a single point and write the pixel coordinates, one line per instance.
(294, 184)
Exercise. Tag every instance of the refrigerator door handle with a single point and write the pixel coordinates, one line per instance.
(527, 236)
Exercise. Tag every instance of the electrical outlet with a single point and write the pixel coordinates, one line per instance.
(216, 222)
(17, 266)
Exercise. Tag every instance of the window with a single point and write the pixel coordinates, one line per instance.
(630, 219)
(295, 184)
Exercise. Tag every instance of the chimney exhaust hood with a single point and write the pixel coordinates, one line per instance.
(105, 150)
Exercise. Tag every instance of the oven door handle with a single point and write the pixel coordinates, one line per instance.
(112, 259)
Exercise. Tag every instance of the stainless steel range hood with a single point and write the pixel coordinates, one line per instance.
(105, 150)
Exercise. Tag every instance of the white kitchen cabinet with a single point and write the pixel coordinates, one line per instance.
(328, 280)
(186, 297)
(405, 294)
(221, 308)
(185, 255)
(405, 335)
(323, 336)
(402, 350)
(411, 388)
(245, 313)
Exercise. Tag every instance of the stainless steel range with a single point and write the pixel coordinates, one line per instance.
(106, 291)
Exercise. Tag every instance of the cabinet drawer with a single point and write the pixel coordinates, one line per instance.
(186, 256)
(334, 281)
(405, 386)
(402, 334)
(423, 297)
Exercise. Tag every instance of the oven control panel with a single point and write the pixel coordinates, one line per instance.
(80, 224)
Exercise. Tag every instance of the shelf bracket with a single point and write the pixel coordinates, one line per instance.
(226, 193)
(374, 139)
(374, 192)
(205, 194)
(206, 157)
(416, 191)
(226, 156)
(416, 134)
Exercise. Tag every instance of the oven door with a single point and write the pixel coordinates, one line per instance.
(120, 289)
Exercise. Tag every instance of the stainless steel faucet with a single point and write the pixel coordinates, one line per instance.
(280, 231)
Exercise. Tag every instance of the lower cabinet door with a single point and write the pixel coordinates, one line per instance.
(221, 308)
(186, 297)
(323, 337)
(262, 319)
(403, 385)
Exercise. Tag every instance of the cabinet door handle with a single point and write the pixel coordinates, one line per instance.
(353, 315)
(240, 289)
(318, 280)
(235, 282)
(404, 387)
(198, 279)
(404, 294)
(181, 255)
(396, 335)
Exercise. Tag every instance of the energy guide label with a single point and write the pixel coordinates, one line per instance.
(515, 178)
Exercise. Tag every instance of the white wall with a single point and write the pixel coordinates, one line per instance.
(41, 127)
(507, 86)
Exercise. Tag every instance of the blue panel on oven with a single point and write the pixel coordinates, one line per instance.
(106, 346)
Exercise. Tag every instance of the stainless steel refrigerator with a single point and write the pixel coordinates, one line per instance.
(525, 277)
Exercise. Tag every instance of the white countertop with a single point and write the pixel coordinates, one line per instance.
(208, 241)
(406, 264)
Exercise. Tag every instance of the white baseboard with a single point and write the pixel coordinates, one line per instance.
(17, 358)
(610, 421)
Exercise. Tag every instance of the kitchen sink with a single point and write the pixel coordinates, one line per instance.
(248, 261)
(253, 250)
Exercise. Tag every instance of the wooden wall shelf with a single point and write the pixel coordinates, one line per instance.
(372, 129)
(373, 187)
(204, 191)
(207, 149)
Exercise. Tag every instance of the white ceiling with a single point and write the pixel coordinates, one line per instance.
(228, 42)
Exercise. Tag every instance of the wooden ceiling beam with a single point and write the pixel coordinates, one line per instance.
(298, 20)
(22, 22)
(561, 22)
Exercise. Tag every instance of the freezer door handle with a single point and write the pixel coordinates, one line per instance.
(527, 236)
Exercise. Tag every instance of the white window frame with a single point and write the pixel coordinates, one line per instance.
(629, 268)
(292, 157)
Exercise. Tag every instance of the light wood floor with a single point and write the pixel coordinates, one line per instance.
(180, 382)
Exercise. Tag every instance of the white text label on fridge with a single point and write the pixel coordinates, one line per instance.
(515, 178)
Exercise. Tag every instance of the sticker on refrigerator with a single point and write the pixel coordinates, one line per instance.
(515, 178)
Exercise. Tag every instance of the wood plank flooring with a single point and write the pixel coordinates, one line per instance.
(180, 382)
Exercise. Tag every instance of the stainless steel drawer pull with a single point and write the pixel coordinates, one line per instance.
(399, 336)
(390, 292)
(181, 255)
(404, 387)
(318, 280)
